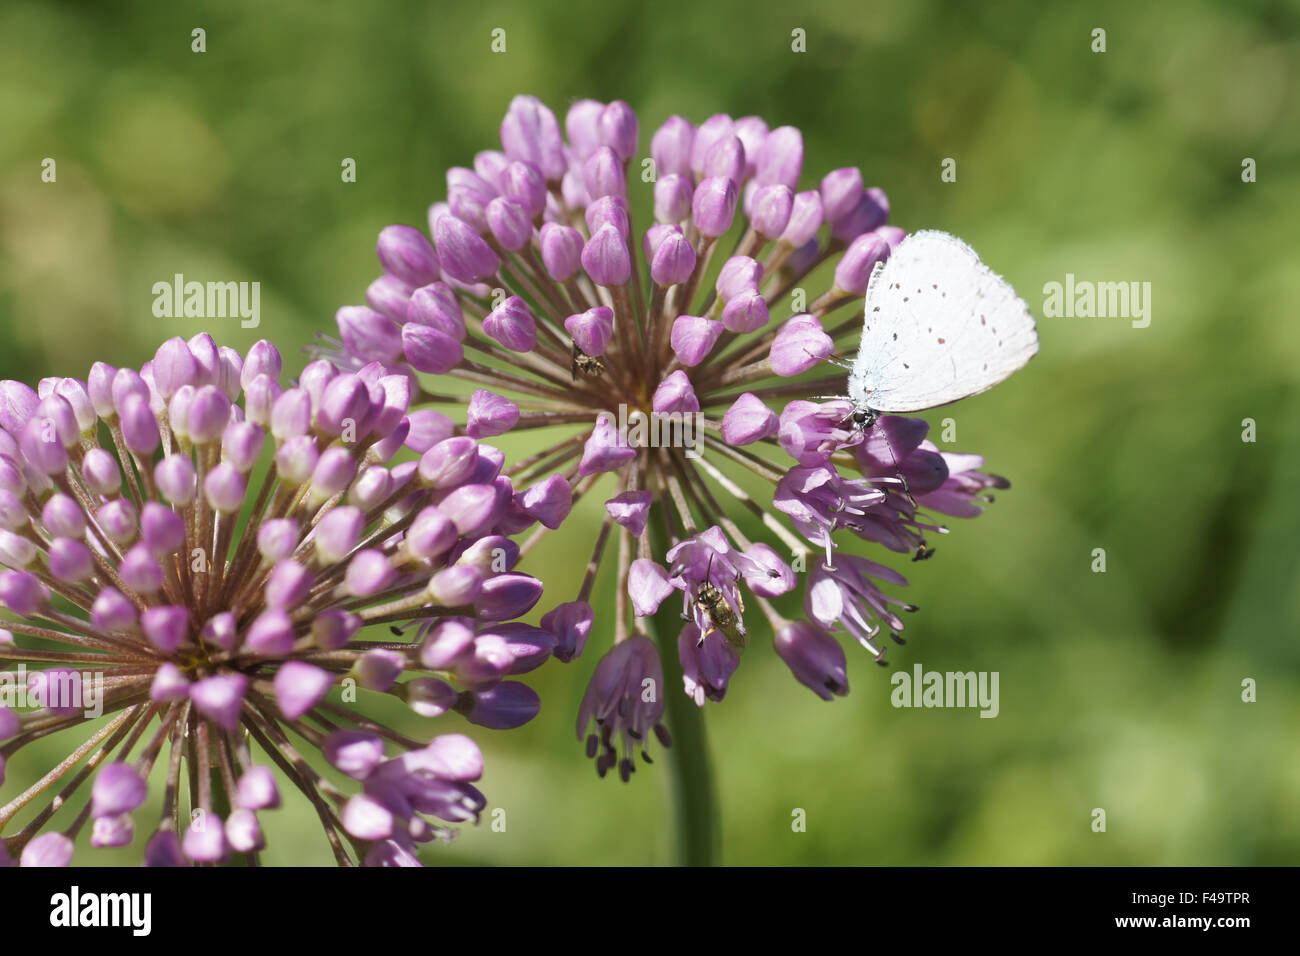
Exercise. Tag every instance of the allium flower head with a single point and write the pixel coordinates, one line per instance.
(195, 550)
(562, 312)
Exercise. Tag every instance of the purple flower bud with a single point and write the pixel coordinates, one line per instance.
(431, 534)
(747, 312)
(507, 596)
(166, 627)
(296, 459)
(430, 350)
(854, 269)
(176, 479)
(489, 165)
(508, 705)
(164, 850)
(609, 210)
(225, 487)
(693, 337)
(604, 449)
(368, 334)
(670, 147)
(206, 357)
(748, 420)
(263, 359)
(510, 224)
(870, 212)
(647, 585)
(112, 612)
(771, 210)
(570, 623)
(406, 253)
(463, 253)
(892, 235)
(630, 509)
(22, 593)
(673, 195)
(805, 218)
(17, 404)
(840, 191)
(169, 683)
(389, 296)
(101, 473)
(119, 520)
(354, 753)
(271, 634)
(602, 174)
(446, 643)
(112, 831)
(714, 128)
(582, 126)
(339, 532)
(288, 585)
(472, 508)
(428, 427)
(299, 687)
(220, 698)
(726, 159)
(605, 257)
(707, 664)
(713, 206)
(47, 850)
(139, 427)
(512, 325)
(561, 251)
(118, 789)
(617, 129)
(205, 839)
(99, 384)
(345, 402)
(455, 586)
(70, 560)
(592, 330)
(243, 832)
(379, 669)
(488, 414)
(739, 274)
(42, 448)
(256, 790)
(524, 184)
(530, 133)
(61, 516)
(208, 415)
(780, 160)
(548, 501)
(799, 345)
(674, 260)
(241, 444)
(220, 630)
(368, 573)
(675, 394)
(173, 366)
(814, 657)
(450, 462)
(334, 627)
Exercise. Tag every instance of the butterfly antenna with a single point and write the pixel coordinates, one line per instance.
(898, 473)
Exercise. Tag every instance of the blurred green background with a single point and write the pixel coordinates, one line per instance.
(1119, 690)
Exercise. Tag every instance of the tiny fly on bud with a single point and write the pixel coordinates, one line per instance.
(588, 365)
(710, 600)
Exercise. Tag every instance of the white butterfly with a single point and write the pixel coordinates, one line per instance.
(939, 326)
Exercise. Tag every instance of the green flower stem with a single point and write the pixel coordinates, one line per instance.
(694, 797)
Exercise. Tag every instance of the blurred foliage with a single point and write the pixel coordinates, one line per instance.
(1119, 690)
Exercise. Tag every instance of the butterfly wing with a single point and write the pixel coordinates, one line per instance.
(939, 326)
